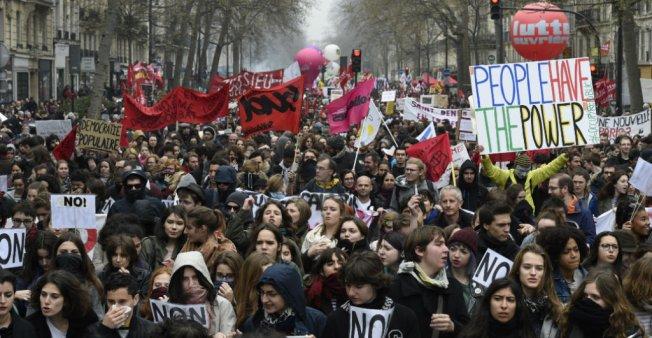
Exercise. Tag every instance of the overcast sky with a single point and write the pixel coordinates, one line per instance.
(316, 25)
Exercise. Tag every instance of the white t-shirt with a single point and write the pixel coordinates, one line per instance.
(54, 332)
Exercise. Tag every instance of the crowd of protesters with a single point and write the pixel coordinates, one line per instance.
(180, 227)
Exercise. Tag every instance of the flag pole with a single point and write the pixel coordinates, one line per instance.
(355, 160)
(453, 173)
(382, 119)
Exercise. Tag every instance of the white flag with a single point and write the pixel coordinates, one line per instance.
(605, 222)
(427, 133)
(369, 127)
(641, 178)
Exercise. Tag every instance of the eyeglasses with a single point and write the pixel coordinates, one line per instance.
(18, 221)
(609, 247)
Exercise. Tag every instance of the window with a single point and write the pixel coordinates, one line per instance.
(19, 31)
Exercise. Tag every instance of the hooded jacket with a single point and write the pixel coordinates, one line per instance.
(404, 190)
(224, 320)
(214, 197)
(287, 282)
(473, 194)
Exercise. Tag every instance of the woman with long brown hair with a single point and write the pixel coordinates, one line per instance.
(638, 291)
(599, 308)
(532, 270)
(246, 292)
(204, 231)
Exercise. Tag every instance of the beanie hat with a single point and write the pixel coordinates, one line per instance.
(523, 160)
(395, 239)
(467, 237)
(236, 197)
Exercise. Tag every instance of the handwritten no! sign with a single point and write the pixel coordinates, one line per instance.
(73, 211)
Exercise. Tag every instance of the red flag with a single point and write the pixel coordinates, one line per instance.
(245, 80)
(66, 147)
(277, 108)
(435, 153)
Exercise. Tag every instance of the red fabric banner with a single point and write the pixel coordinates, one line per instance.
(435, 153)
(181, 104)
(277, 108)
(244, 81)
(605, 92)
(66, 147)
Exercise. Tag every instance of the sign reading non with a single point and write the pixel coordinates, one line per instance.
(534, 105)
(492, 266)
(45, 128)
(368, 323)
(73, 211)
(162, 310)
(12, 248)
(98, 135)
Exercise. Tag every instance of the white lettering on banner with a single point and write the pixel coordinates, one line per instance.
(45, 128)
(12, 248)
(369, 323)
(73, 211)
(492, 266)
(388, 96)
(534, 105)
(162, 310)
(416, 111)
(632, 125)
(315, 200)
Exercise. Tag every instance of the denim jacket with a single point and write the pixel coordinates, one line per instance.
(561, 286)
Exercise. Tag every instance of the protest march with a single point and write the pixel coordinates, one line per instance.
(381, 194)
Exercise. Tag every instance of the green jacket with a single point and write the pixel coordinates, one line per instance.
(535, 177)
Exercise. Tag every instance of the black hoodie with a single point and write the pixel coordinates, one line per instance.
(473, 194)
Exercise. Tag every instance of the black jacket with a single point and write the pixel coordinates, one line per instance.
(401, 323)
(473, 194)
(18, 328)
(508, 248)
(138, 328)
(78, 327)
(407, 291)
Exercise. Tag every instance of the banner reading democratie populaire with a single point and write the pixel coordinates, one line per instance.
(632, 125)
(98, 135)
(277, 108)
(534, 105)
(415, 111)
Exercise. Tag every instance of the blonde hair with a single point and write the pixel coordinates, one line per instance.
(420, 165)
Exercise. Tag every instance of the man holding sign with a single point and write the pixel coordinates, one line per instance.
(495, 221)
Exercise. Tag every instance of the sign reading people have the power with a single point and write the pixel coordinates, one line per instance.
(534, 105)
(73, 211)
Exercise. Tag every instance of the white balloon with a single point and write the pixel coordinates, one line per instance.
(332, 52)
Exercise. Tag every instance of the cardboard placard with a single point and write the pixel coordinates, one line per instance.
(99, 135)
(73, 211)
(162, 310)
(12, 248)
(492, 266)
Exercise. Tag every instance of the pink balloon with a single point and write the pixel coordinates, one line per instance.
(310, 62)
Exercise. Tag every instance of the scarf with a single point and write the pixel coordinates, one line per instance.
(198, 295)
(328, 185)
(537, 305)
(283, 322)
(329, 288)
(498, 329)
(439, 281)
(590, 318)
(380, 303)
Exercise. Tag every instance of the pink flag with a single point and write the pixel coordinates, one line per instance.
(351, 108)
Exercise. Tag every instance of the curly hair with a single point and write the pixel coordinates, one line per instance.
(636, 283)
(553, 241)
(76, 299)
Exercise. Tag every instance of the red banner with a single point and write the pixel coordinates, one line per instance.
(277, 108)
(241, 83)
(351, 108)
(435, 153)
(605, 92)
(181, 104)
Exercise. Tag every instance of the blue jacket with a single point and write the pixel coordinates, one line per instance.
(561, 286)
(287, 282)
(583, 217)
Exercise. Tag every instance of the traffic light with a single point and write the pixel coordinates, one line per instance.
(356, 60)
(594, 69)
(496, 12)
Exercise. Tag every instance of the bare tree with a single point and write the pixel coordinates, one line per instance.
(101, 71)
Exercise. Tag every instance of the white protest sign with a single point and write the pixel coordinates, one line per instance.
(466, 128)
(534, 105)
(315, 200)
(460, 154)
(12, 248)
(632, 125)
(641, 178)
(368, 323)
(73, 211)
(3, 183)
(162, 310)
(57, 127)
(416, 111)
(605, 222)
(388, 96)
(3, 118)
(492, 266)
(427, 100)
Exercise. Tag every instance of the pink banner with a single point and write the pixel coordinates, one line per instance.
(351, 108)
(605, 92)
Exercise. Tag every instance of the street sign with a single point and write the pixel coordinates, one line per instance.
(88, 64)
(447, 72)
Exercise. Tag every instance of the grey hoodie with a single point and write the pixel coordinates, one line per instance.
(224, 321)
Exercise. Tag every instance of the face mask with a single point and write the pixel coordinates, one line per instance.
(133, 195)
(227, 280)
(521, 172)
(159, 292)
(71, 263)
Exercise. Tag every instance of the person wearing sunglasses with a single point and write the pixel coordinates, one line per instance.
(136, 198)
